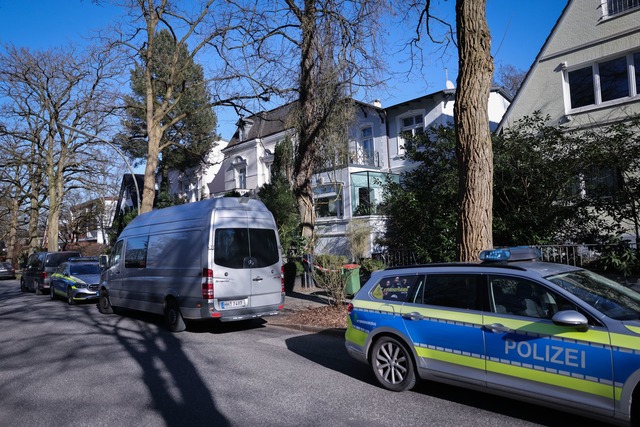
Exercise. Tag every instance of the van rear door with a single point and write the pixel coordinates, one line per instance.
(247, 263)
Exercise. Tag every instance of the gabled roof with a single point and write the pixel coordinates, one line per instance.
(263, 124)
(534, 65)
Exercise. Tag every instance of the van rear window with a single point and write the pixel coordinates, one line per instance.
(245, 248)
(56, 258)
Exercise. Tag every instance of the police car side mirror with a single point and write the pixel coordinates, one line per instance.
(571, 318)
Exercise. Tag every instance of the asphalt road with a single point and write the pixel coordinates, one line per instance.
(64, 365)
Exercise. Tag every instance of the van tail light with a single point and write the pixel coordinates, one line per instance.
(207, 283)
(349, 308)
(282, 279)
(43, 275)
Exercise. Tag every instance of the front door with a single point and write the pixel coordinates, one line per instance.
(527, 353)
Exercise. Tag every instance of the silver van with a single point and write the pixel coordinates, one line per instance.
(213, 259)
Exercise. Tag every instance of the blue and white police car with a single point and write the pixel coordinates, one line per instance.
(551, 334)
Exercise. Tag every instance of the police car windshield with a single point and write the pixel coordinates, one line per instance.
(610, 298)
(85, 269)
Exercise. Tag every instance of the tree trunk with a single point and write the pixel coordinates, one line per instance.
(307, 129)
(473, 137)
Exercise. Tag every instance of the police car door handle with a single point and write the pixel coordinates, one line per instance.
(498, 327)
(413, 316)
(258, 279)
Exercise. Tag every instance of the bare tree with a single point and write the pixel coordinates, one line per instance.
(43, 91)
(326, 52)
(509, 77)
(200, 31)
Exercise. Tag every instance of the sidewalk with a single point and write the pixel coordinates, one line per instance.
(300, 299)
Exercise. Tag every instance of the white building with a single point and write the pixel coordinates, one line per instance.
(352, 193)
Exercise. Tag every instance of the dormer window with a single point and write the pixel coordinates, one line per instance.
(615, 7)
(244, 126)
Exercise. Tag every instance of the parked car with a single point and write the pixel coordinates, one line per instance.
(36, 275)
(7, 271)
(77, 279)
(551, 334)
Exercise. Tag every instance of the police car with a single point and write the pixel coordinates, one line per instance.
(551, 334)
(76, 280)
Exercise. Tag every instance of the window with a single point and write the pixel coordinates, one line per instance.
(328, 200)
(451, 290)
(614, 7)
(239, 166)
(521, 297)
(116, 254)
(410, 126)
(364, 154)
(604, 81)
(245, 247)
(396, 288)
(581, 87)
(367, 191)
(136, 254)
(241, 178)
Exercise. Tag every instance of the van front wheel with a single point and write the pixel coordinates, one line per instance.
(104, 305)
(173, 317)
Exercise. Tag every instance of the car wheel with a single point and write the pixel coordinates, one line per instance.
(104, 305)
(36, 288)
(52, 294)
(173, 317)
(392, 365)
(69, 296)
(23, 288)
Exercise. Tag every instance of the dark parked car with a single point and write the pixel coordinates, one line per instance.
(36, 275)
(7, 271)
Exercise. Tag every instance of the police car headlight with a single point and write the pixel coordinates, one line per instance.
(81, 285)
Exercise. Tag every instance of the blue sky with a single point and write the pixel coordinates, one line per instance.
(518, 29)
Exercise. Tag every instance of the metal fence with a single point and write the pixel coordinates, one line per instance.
(577, 255)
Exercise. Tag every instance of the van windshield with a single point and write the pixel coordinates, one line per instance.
(245, 247)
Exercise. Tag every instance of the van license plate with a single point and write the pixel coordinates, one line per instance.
(233, 304)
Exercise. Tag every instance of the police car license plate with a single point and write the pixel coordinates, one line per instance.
(239, 303)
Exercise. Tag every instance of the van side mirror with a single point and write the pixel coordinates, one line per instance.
(104, 261)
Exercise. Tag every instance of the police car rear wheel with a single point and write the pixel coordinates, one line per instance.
(392, 365)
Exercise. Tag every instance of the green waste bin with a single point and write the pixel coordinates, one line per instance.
(351, 274)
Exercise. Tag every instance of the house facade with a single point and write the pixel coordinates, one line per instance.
(200, 182)
(346, 198)
(587, 73)
(91, 221)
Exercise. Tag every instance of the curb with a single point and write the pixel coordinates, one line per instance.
(336, 332)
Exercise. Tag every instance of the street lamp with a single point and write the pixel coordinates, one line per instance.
(88, 135)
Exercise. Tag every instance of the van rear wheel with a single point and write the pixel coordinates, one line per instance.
(104, 305)
(173, 316)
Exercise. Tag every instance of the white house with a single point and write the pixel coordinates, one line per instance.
(350, 194)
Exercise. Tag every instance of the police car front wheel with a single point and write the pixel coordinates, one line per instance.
(392, 364)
